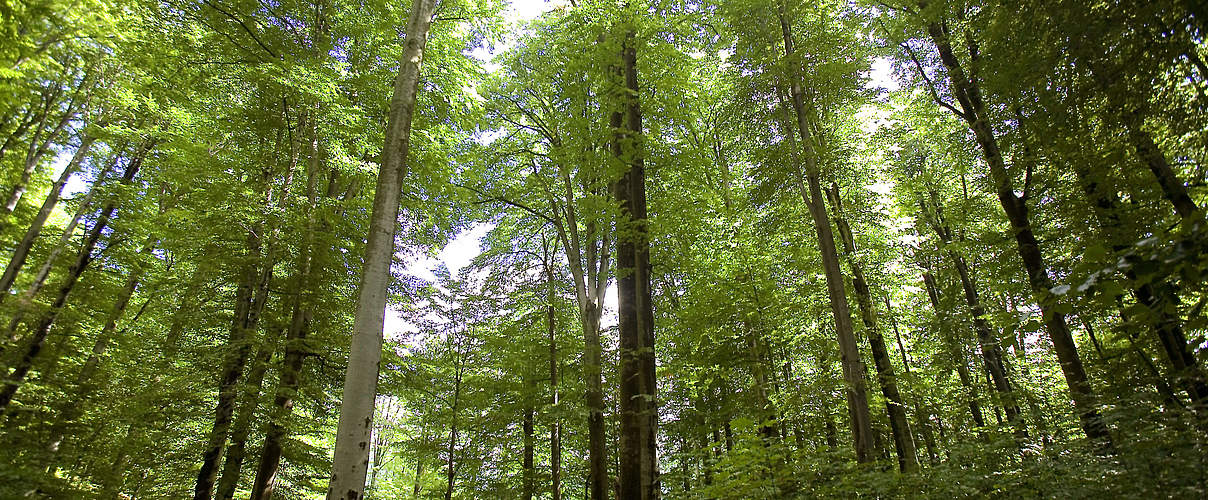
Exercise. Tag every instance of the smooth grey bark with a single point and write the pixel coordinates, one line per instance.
(350, 458)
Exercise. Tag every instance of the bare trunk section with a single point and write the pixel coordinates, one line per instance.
(962, 370)
(924, 419)
(39, 146)
(350, 458)
(968, 93)
(35, 228)
(301, 312)
(1153, 296)
(849, 351)
(638, 471)
(899, 424)
(555, 426)
(233, 464)
(529, 473)
(38, 338)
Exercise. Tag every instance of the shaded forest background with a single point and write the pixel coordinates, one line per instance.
(729, 249)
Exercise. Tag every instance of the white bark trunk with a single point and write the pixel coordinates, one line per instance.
(351, 456)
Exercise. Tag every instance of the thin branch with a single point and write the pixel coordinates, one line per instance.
(487, 198)
(931, 85)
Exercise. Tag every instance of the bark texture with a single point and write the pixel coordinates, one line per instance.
(351, 456)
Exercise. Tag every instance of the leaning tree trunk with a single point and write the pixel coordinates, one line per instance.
(350, 458)
(1153, 296)
(899, 424)
(242, 427)
(955, 350)
(555, 426)
(249, 301)
(10, 332)
(17, 376)
(968, 93)
(85, 382)
(849, 352)
(35, 227)
(988, 344)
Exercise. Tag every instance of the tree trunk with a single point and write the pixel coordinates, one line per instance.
(529, 479)
(349, 460)
(450, 470)
(899, 424)
(849, 351)
(242, 427)
(555, 426)
(35, 228)
(17, 376)
(1154, 297)
(638, 472)
(968, 94)
(85, 383)
(248, 298)
(962, 370)
(301, 312)
(27, 298)
(988, 343)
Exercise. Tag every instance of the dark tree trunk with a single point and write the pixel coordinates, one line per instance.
(638, 472)
(232, 467)
(849, 352)
(17, 376)
(968, 93)
(899, 424)
(250, 297)
(954, 349)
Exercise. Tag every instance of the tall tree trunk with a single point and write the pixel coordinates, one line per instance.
(85, 383)
(988, 343)
(38, 147)
(451, 450)
(899, 424)
(35, 227)
(301, 312)
(958, 354)
(349, 460)
(638, 473)
(555, 426)
(968, 93)
(849, 352)
(17, 376)
(10, 335)
(529, 479)
(1155, 297)
(249, 298)
(242, 427)
(923, 418)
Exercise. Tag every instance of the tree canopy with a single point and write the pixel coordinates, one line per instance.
(582, 249)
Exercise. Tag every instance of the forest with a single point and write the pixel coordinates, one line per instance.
(603, 249)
